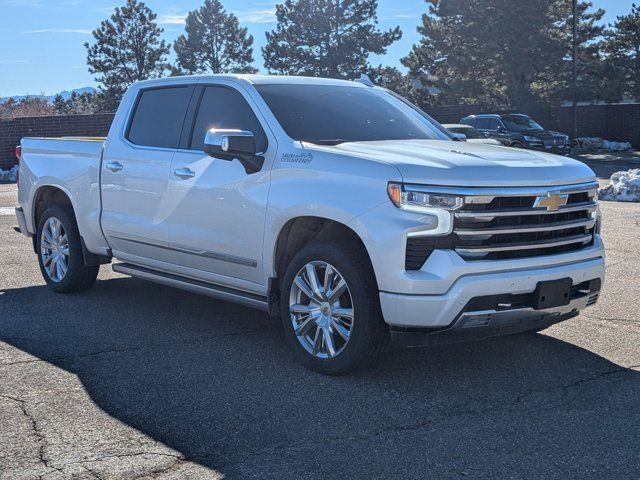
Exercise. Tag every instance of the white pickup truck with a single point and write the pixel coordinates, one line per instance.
(336, 205)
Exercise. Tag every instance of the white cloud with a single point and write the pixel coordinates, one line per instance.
(257, 15)
(173, 19)
(59, 30)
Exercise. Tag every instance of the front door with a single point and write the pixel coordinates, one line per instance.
(218, 217)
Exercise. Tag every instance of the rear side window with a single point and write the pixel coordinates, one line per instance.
(158, 117)
(225, 108)
(468, 121)
(487, 123)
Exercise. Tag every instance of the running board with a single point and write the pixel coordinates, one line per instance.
(194, 286)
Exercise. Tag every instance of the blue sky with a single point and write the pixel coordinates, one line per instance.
(41, 40)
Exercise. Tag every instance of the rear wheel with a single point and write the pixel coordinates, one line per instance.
(330, 309)
(60, 252)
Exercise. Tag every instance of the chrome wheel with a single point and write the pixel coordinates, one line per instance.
(54, 249)
(321, 309)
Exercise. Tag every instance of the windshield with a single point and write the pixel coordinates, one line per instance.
(467, 132)
(519, 123)
(333, 114)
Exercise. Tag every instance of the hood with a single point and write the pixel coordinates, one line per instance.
(448, 163)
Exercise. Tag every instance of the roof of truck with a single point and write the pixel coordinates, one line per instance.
(256, 79)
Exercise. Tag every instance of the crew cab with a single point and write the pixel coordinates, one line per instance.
(338, 206)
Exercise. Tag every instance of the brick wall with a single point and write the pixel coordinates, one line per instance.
(13, 129)
(612, 122)
(618, 122)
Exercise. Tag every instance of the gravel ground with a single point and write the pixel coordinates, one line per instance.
(135, 380)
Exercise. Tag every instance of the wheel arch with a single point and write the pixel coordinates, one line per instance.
(300, 231)
(49, 195)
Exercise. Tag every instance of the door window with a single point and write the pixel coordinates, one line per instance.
(491, 124)
(225, 108)
(158, 117)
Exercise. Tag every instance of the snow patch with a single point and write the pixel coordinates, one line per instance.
(597, 143)
(625, 187)
(9, 175)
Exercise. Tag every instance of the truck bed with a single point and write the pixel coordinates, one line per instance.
(71, 164)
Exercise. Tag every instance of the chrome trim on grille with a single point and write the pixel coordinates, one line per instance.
(576, 207)
(545, 228)
(526, 246)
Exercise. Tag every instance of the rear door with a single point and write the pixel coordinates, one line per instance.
(217, 223)
(135, 174)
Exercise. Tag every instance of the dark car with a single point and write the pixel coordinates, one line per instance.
(518, 130)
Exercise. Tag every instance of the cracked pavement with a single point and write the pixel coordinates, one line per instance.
(135, 380)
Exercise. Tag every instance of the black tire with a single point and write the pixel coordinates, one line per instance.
(78, 276)
(369, 335)
(517, 145)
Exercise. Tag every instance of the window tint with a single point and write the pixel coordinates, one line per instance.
(157, 120)
(468, 121)
(487, 123)
(225, 108)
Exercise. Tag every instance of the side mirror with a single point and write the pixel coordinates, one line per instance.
(461, 137)
(232, 144)
(501, 129)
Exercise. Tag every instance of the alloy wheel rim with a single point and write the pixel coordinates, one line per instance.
(54, 249)
(321, 309)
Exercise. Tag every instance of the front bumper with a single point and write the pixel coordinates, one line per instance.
(480, 324)
(439, 312)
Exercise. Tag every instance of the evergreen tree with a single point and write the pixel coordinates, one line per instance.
(214, 42)
(127, 48)
(500, 53)
(329, 38)
(622, 44)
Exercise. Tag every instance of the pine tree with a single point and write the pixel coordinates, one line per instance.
(500, 53)
(214, 42)
(127, 48)
(328, 38)
(622, 44)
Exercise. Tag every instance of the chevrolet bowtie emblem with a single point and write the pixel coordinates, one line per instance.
(552, 202)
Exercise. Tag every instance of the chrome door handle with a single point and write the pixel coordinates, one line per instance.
(184, 173)
(114, 166)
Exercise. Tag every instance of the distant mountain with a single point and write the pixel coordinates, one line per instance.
(65, 94)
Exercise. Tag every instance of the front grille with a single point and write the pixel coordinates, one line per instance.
(506, 224)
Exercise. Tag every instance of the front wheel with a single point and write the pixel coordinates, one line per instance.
(331, 310)
(60, 254)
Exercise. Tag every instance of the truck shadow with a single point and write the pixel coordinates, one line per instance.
(216, 382)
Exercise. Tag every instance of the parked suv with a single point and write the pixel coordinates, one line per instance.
(518, 130)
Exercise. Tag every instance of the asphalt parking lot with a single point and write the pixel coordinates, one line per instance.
(135, 380)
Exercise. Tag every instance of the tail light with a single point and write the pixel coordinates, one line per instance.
(19, 157)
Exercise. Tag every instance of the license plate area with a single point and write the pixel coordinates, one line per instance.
(555, 293)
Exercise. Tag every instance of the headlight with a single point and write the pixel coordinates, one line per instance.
(421, 202)
(532, 139)
(436, 208)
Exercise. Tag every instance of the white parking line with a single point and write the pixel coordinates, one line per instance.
(7, 211)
